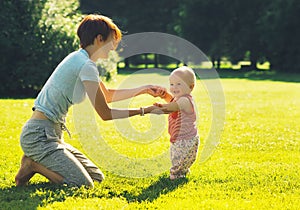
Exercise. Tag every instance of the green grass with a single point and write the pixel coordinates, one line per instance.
(256, 165)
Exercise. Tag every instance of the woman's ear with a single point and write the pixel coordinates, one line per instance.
(99, 37)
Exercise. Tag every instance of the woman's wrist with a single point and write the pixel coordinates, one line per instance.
(142, 111)
(146, 89)
(146, 110)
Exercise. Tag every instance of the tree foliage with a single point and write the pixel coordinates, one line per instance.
(281, 31)
(35, 36)
(236, 30)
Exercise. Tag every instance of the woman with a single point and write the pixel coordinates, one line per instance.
(41, 140)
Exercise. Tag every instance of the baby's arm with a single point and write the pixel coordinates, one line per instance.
(167, 108)
(167, 97)
(182, 104)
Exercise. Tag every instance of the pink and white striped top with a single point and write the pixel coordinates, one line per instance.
(182, 125)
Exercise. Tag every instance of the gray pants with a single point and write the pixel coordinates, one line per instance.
(41, 140)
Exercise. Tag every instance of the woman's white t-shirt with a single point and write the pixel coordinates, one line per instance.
(65, 86)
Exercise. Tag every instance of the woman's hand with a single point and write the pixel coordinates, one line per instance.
(156, 91)
(153, 110)
(158, 108)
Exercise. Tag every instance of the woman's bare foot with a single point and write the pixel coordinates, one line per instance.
(25, 172)
(29, 168)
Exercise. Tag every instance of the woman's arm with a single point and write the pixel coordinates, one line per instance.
(99, 101)
(163, 94)
(112, 95)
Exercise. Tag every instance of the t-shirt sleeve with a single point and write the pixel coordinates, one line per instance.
(89, 72)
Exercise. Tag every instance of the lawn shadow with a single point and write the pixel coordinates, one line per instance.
(260, 75)
(160, 187)
(204, 74)
(43, 194)
(33, 196)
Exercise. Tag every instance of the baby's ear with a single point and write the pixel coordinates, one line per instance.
(192, 86)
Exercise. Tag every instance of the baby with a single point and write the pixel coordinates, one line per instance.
(182, 121)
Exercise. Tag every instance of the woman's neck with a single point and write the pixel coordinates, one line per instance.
(93, 52)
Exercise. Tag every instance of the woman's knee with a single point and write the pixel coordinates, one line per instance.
(79, 180)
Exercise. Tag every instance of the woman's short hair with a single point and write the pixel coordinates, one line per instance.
(93, 25)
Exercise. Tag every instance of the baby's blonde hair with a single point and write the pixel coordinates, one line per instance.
(186, 73)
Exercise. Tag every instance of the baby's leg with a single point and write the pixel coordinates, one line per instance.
(183, 155)
(177, 159)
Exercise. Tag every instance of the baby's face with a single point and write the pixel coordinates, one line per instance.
(179, 85)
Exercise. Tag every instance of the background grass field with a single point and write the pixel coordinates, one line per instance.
(255, 166)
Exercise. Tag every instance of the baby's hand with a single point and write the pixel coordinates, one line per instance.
(160, 108)
(158, 104)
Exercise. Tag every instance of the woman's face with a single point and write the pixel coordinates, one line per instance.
(106, 46)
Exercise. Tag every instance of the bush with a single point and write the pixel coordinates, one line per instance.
(108, 68)
(36, 35)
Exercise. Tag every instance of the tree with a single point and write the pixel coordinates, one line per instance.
(136, 16)
(246, 36)
(281, 32)
(35, 36)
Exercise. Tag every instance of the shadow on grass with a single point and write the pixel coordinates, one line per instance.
(260, 75)
(227, 73)
(160, 187)
(33, 196)
(43, 194)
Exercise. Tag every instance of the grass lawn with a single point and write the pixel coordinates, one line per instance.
(255, 166)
